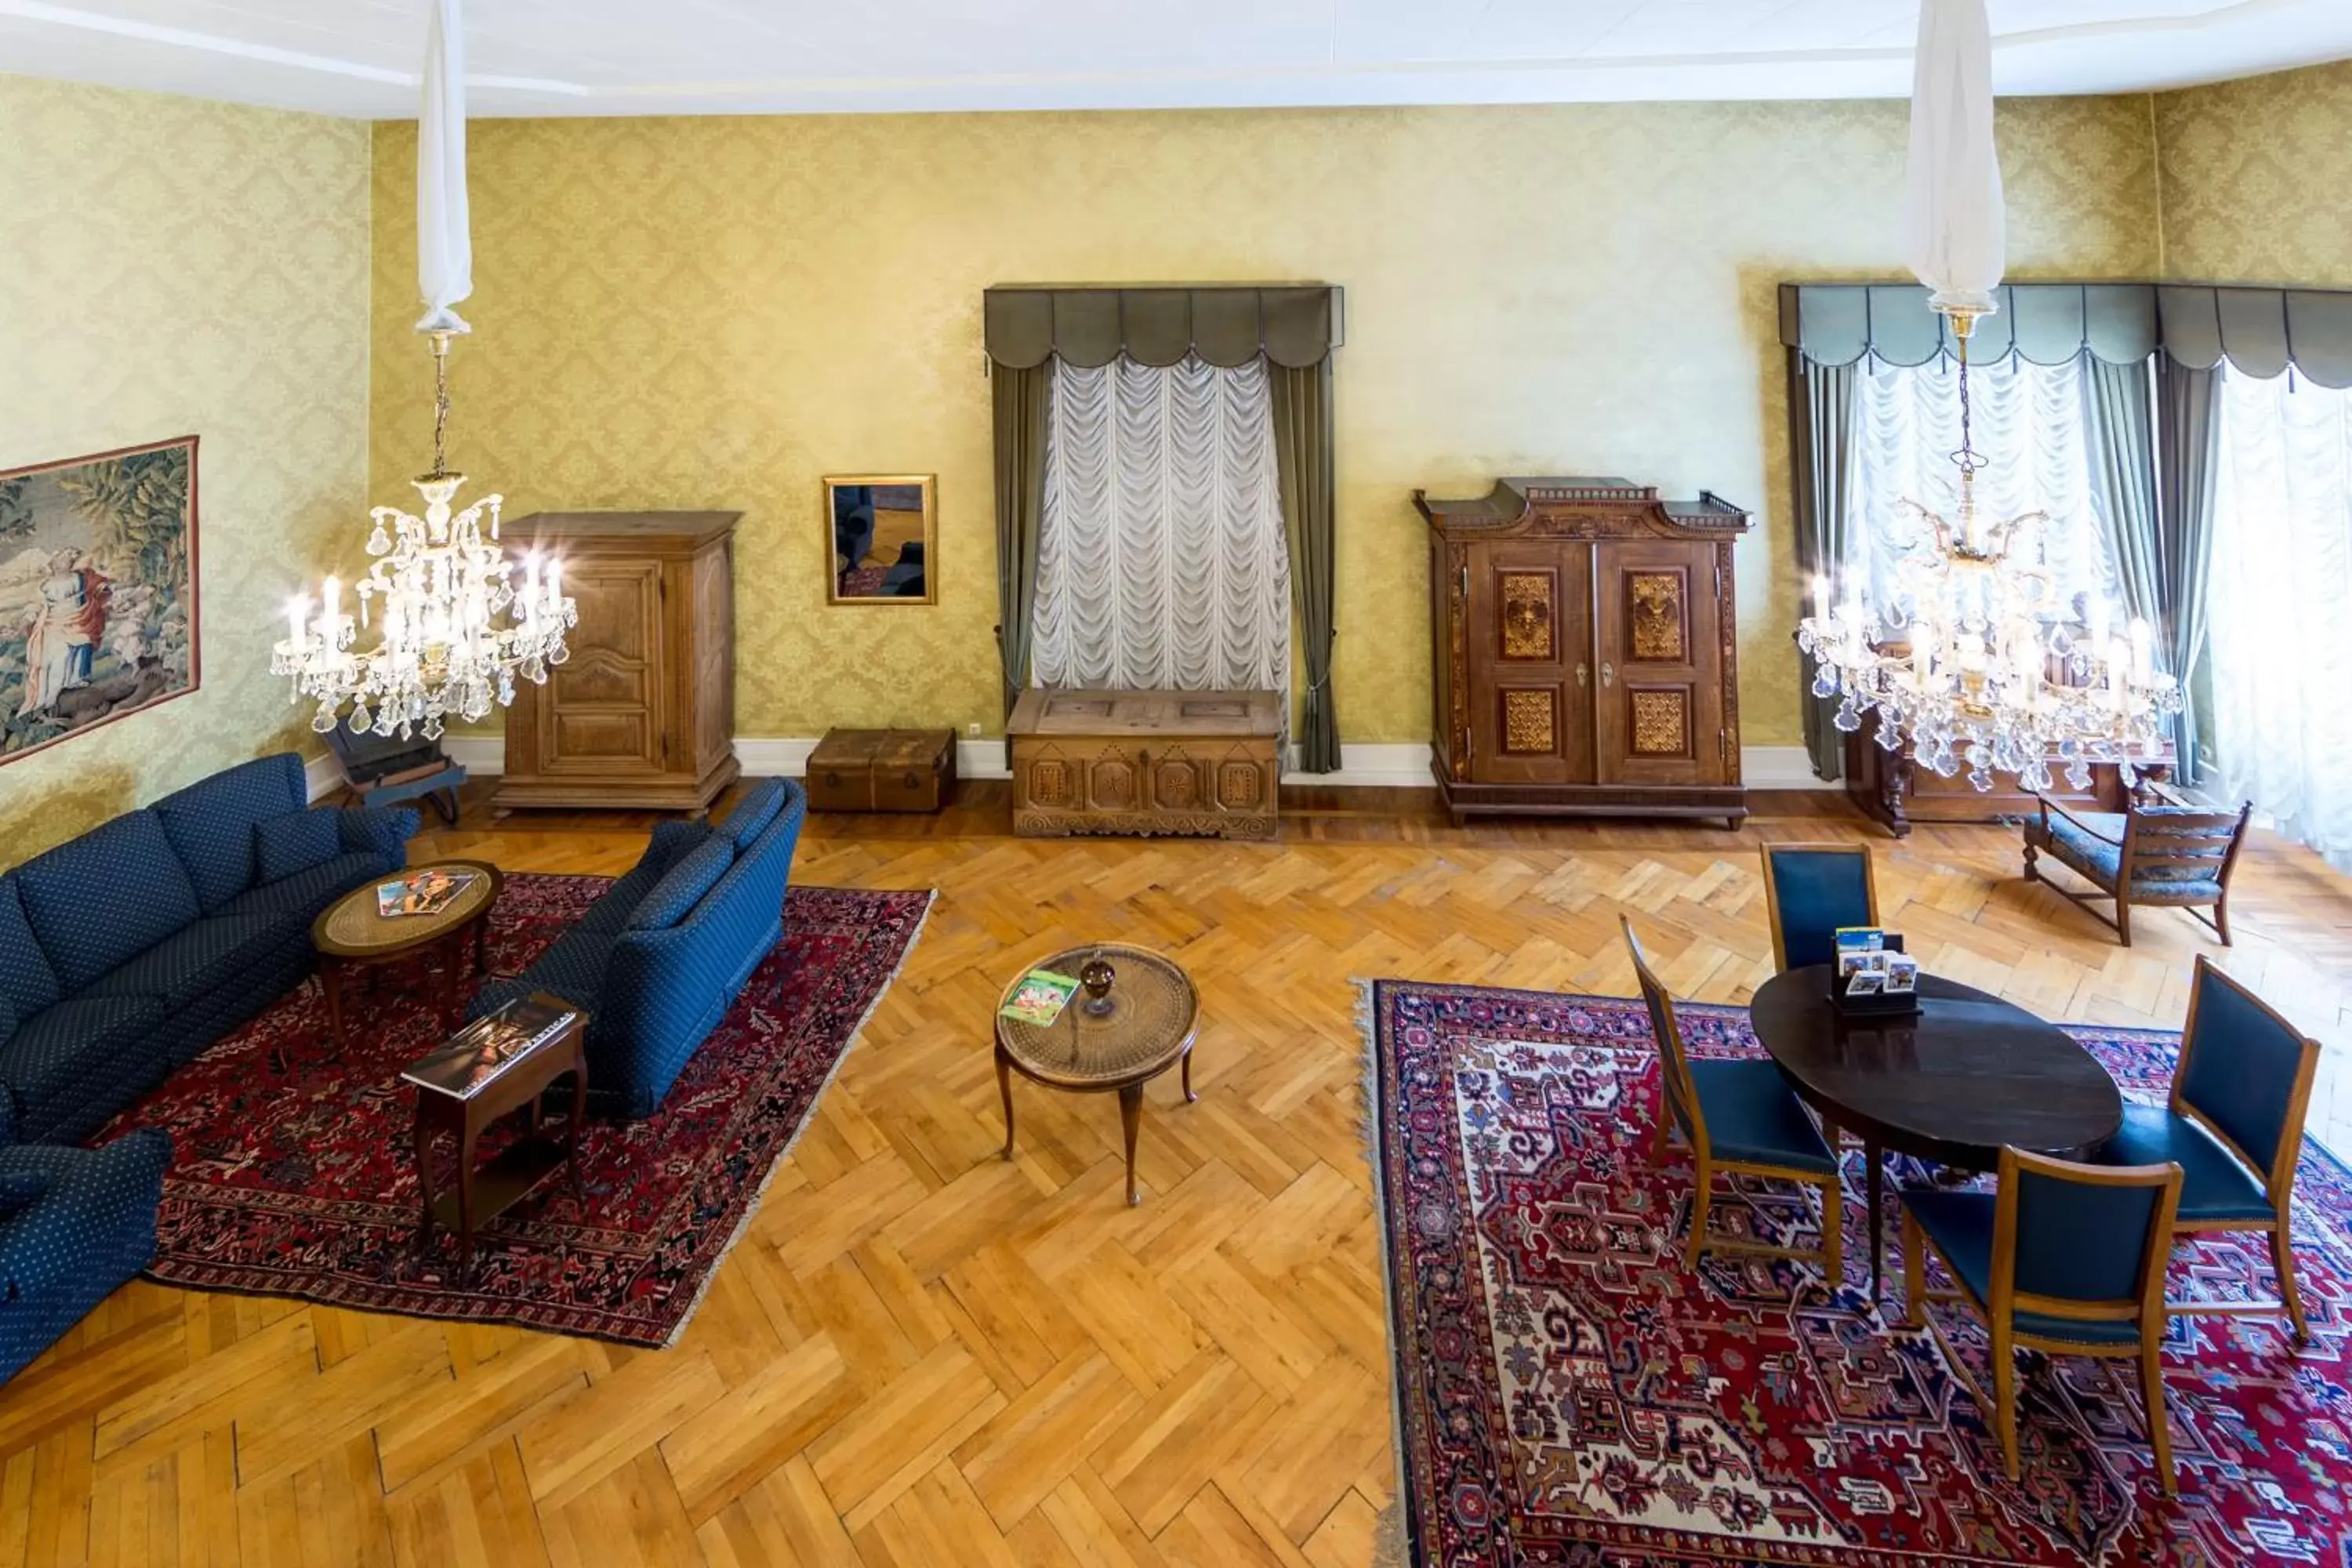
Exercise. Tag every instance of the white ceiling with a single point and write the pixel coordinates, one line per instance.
(358, 58)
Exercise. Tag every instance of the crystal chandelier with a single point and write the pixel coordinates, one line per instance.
(1972, 660)
(454, 629)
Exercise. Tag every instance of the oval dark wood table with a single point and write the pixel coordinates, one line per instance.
(1951, 1083)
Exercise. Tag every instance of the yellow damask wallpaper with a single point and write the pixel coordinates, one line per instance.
(2254, 176)
(169, 266)
(716, 311)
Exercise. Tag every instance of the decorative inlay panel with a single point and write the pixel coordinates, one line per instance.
(1528, 615)
(1240, 786)
(1175, 785)
(1530, 722)
(1661, 723)
(1049, 781)
(1656, 618)
(1110, 785)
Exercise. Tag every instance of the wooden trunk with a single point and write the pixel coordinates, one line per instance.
(1894, 789)
(1585, 651)
(1201, 763)
(882, 770)
(643, 712)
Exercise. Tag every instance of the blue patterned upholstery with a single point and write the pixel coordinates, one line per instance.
(752, 814)
(655, 995)
(91, 1227)
(110, 965)
(98, 902)
(210, 823)
(2213, 1185)
(1816, 892)
(2094, 857)
(283, 845)
(671, 841)
(682, 886)
(1753, 1119)
(2076, 1242)
(25, 978)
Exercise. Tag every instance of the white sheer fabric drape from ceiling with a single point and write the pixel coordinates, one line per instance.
(2281, 662)
(1161, 560)
(2032, 425)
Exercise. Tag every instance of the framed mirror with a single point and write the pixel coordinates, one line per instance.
(882, 531)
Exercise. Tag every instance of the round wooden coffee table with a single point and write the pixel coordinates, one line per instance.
(1144, 1026)
(352, 935)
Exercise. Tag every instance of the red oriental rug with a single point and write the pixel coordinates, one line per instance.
(292, 1176)
(1569, 1395)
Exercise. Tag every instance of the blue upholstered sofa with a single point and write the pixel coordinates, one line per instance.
(657, 960)
(126, 950)
(74, 1224)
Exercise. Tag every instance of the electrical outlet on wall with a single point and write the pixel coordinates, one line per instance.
(972, 730)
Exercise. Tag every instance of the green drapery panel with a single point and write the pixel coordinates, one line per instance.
(1303, 453)
(1821, 467)
(2189, 451)
(1020, 405)
(2123, 480)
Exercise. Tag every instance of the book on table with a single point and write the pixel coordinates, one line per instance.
(1040, 997)
(474, 1057)
(425, 893)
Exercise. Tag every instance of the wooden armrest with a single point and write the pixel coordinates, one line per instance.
(2048, 805)
(407, 776)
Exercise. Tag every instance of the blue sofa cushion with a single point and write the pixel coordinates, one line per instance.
(296, 841)
(753, 812)
(307, 892)
(682, 886)
(25, 978)
(19, 1188)
(670, 842)
(76, 1041)
(89, 1198)
(97, 901)
(211, 822)
(206, 956)
(2213, 1185)
(1960, 1225)
(1752, 1116)
(573, 969)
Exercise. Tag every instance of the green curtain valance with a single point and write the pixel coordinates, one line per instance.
(1294, 325)
(2262, 331)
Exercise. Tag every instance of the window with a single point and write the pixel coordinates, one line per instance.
(2282, 576)
(2031, 423)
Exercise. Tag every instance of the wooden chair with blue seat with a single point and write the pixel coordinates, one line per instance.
(2061, 1258)
(385, 770)
(1809, 891)
(1739, 1116)
(2233, 1125)
(2177, 855)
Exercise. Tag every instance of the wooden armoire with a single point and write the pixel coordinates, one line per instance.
(1585, 653)
(642, 714)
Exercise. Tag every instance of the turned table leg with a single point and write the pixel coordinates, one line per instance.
(1190, 1098)
(1131, 1118)
(1005, 1092)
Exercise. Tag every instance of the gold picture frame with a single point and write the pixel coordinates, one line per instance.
(875, 554)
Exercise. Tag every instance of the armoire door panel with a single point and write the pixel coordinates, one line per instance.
(606, 703)
(1660, 714)
(1529, 662)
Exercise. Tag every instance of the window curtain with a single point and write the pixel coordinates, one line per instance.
(1019, 396)
(2282, 573)
(1303, 448)
(2188, 465)
(2031, 420)
(1820, 441)
(2122, 436)
(1161, 556)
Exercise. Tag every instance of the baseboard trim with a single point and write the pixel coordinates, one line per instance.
(1363, 764)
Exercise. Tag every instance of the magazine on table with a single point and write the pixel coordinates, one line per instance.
(426, 892)
(473, 1058)
(1040, 997)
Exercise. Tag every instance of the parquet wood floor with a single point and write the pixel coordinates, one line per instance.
(921, 1355)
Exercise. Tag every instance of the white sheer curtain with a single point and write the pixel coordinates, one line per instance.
(2281, 664)
(2032, 425)
(1160, 555)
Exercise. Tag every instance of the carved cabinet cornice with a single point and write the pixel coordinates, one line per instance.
(1585, 651)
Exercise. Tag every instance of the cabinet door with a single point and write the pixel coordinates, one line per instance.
(1528, 646)
(1659, 718)
(604, 706)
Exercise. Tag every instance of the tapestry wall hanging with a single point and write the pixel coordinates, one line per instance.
(98, 590)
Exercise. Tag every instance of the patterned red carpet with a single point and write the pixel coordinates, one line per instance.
(292, 1174)
(1569, 1395)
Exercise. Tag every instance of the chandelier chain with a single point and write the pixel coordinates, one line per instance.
(441, 405)
(1967, 458)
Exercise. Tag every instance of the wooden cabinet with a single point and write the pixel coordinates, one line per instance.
(1585, 651)
(1894, 789)
(643, 711)
(1200, 763)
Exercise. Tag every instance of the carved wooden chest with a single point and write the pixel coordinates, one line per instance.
(1200, 763)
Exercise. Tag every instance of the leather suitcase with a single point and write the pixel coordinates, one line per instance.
(882, 770)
